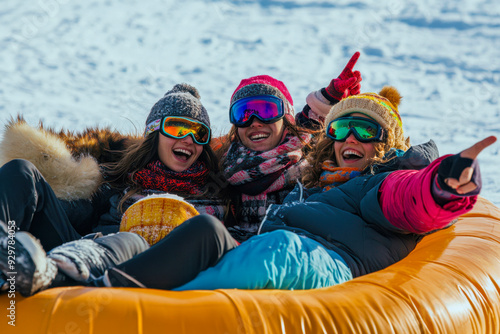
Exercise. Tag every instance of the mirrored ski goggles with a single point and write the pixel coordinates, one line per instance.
(363, 129)
(179, 127)
(267, 108)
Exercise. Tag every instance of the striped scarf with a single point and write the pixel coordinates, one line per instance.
(263, 178)
(333, 176)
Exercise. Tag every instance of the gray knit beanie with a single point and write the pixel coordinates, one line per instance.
(181, 100)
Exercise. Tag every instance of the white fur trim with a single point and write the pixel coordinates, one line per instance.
(70, 179)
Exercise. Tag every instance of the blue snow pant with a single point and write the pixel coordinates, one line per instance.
(275, 260)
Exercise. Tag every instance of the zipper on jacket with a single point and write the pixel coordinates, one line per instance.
(301, 187)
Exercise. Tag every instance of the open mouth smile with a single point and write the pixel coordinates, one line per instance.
(260, 136)
(182, 154)
(350, 155)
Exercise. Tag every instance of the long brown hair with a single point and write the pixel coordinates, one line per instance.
(137, 156)
(325, 150)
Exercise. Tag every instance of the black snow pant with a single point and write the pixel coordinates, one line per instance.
(27, 199)
(192, 247)
(195, 245)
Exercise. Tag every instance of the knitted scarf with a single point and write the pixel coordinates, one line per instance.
(257, 174)
(333, 176)
(157, 176)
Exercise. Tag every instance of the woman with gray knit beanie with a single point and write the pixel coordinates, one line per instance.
(174, 157)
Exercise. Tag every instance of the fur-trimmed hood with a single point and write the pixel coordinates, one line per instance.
(68, 162)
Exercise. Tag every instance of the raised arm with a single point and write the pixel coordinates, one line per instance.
(320, 102)
(429, 199)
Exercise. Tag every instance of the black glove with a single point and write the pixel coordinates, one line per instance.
(452, 167)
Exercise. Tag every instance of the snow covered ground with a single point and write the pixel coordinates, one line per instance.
(74, 64)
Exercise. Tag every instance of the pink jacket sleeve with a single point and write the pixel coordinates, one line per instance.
(406, 201)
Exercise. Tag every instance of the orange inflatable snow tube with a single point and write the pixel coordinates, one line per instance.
(449, 284)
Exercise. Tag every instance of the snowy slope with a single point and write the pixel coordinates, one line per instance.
(74, 64)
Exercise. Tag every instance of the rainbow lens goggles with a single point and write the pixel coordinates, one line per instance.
(267, 108)
(363, 129)
(179, 127)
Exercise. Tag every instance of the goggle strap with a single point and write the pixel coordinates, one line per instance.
(152, 127)
(289, 109)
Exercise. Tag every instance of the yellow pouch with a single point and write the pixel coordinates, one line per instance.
(153, 217)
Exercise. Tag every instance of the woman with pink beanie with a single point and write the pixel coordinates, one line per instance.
(263, 156)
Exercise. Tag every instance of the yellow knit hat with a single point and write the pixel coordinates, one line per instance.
(382, 107)
(153, 217)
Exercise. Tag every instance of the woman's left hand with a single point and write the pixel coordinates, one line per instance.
(459, 173)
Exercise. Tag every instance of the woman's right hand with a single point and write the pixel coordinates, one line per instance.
(459, 174)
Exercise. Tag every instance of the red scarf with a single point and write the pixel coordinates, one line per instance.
(157, 176)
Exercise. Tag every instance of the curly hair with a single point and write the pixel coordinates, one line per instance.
(325, 150)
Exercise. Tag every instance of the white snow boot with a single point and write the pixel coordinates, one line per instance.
(82, 260)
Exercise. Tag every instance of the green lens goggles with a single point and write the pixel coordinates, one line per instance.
(363, 129)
